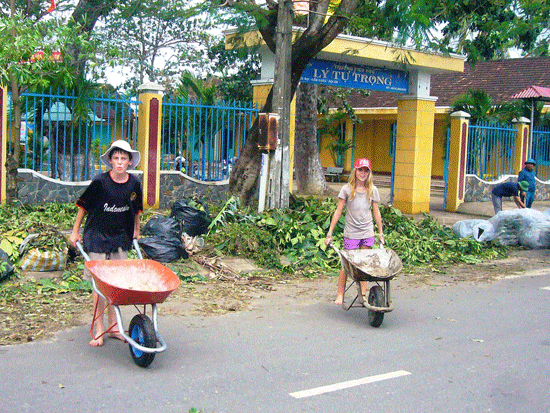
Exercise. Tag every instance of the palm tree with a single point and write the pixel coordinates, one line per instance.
(478, 104)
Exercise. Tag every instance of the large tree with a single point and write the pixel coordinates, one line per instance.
(317, 35)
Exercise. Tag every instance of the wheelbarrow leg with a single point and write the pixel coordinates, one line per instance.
(357, 298)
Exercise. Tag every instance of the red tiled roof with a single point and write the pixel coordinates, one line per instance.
(537, 92)
(501, 79)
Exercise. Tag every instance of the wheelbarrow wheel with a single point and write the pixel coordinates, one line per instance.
(376, 299)
(142, 332)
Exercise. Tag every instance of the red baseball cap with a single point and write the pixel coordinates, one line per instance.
(362, 163)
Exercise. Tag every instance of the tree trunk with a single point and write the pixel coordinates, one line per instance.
(84, 18)
(319, 34)
(244, 176)
(310, 178)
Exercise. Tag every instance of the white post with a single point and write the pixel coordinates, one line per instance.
(264, 172)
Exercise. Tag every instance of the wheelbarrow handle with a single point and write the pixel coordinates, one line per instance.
(81, 249)
(334, 248)
(138, 250)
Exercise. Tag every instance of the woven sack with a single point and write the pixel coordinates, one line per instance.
(37, 260)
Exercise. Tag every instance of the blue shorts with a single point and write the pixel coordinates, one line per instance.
(353, 244)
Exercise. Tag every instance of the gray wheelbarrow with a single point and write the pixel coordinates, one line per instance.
(378, 266)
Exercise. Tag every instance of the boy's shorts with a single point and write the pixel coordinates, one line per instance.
(98, 256)
(353, 244)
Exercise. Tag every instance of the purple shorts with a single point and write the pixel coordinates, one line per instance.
(353, 244)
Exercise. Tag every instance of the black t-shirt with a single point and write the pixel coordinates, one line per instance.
(506, 189)
(111, 209)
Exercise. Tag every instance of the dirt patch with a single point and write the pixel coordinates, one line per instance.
(519, 262)
(38, 314)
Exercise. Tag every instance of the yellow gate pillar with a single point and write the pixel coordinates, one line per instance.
(3, 144)
(522, 143)
(413, 153)
(458, 147)
(149, 141)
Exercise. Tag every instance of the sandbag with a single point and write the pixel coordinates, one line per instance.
(194, 221)
(162, 227)
(163, 249)
(6, 266)
(464, 228)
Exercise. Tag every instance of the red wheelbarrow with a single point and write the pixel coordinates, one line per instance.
(133, 282)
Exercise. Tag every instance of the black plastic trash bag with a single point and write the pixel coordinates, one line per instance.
(162, 227)
(194, 221)
(163, 249)
(6, 267)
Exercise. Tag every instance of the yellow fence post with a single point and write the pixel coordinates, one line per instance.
(522, 143)
(3, 144)
(149, 141)
(458, 147)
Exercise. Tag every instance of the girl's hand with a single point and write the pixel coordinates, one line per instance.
(381, 239)
(328, 240)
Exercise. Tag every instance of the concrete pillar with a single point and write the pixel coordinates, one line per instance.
(3, 144)
(457, 160)
(149, 141)
(522, 143)
(413, 153)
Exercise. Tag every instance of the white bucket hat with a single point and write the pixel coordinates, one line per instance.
(125, 146)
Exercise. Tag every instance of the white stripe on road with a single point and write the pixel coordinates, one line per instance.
(347, 384)
(545, 288)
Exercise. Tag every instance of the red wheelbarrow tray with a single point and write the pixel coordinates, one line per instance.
(133, 282)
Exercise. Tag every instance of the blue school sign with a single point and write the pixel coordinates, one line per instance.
(326, 72)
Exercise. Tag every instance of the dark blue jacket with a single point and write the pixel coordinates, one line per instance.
(529, 176)
(506, 189)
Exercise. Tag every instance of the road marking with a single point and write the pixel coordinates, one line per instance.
(347, 384)
(545, 288)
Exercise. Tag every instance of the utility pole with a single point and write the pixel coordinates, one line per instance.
(279, 159)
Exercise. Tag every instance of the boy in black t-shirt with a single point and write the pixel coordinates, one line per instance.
(113, 202)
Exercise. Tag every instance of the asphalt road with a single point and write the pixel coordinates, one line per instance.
(462, 348)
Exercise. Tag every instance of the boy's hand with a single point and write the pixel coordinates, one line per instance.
(74, 238)
(328, 240)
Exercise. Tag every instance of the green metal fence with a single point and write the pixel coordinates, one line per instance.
(203, 140)
(491, 150)
(540, 151)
